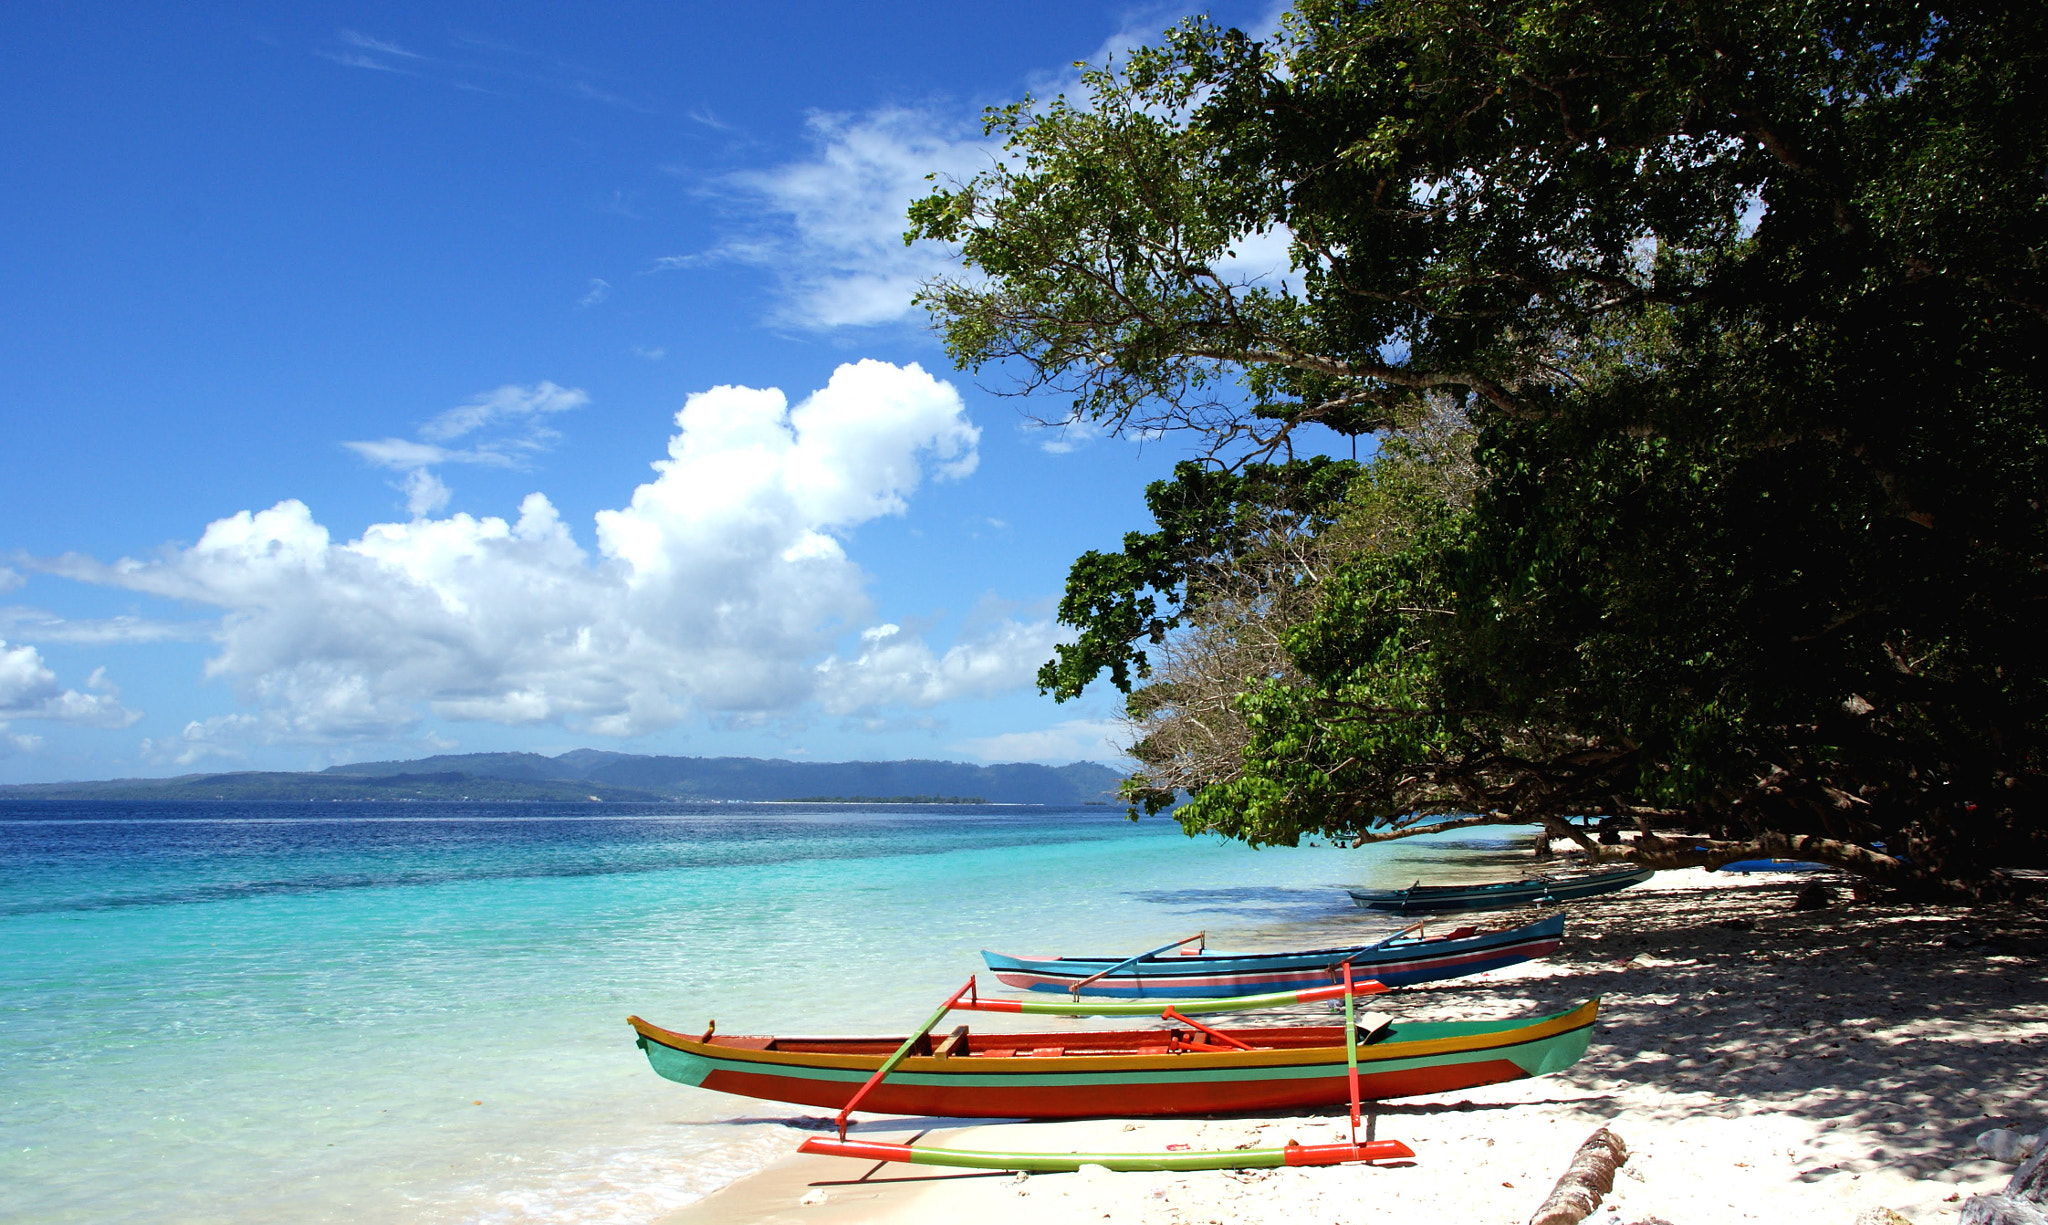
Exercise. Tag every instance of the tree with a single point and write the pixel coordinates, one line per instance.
(1744, 309)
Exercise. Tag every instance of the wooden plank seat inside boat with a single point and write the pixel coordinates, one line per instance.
(959, 1043)
(1065, 1074)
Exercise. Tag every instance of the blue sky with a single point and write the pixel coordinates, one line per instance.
(305, 304)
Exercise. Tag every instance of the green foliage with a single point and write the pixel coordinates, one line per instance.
(1123, 601)
(1746, 305)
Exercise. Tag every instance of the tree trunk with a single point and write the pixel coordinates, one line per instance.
(2022, 1201)
(1585, 1182)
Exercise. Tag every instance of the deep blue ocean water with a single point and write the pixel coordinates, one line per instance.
(226, 1012)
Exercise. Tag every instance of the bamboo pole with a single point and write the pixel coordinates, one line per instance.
(1351, 1047)
(1075, 990)
(1148, 1008)
(889, 1064)
(1046, 1163)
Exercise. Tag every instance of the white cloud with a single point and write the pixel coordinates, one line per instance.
(1261, 259)
(10, 579)
(511, 420)
(36, 625)
(424, 493)
(1074, 740)
(219, 736)
(404, 454)
(829, 226)
(354, 39)
(1066, 437)
(511, 402)
(893, 668)
(716, 589)
(348, 59)
(29, 690)
(513, 417)
(836, 241)
(599, 290)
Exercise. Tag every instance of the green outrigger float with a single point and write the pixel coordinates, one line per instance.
(1291, 1154)
(1057, 1163)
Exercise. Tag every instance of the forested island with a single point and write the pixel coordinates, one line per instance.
(592, 774)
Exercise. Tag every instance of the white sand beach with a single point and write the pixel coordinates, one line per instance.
(1761, 1063)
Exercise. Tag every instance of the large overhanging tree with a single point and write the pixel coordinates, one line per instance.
(1705, 347)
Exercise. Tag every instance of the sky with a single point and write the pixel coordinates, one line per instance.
(400, 379)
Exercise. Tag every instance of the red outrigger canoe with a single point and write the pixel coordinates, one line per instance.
(1177, 1071)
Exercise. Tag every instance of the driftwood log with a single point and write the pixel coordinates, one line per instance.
(2023, 1202)
(1585, 1182)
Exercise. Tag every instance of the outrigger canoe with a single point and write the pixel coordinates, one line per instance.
(1176, 1071)
(1400, 961)
(1441, 899)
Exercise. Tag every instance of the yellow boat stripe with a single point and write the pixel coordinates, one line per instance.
(1578, 1017)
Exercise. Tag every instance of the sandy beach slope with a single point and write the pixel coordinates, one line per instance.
(1762, 1063)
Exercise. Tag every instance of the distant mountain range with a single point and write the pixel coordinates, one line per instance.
(593, 774)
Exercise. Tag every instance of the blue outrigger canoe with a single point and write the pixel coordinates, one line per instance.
(1445, 899)
(1398, 961)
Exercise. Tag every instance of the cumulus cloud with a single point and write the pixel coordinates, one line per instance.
(1073, 740)
(29, 690)
(893, 668)
(717, 589)
(219, 736)
(424, 493)
(832, 223)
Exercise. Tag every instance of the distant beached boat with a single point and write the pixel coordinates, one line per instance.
(1186, 1070)
(1398, 961)
(1746, 866)
(1441, 899)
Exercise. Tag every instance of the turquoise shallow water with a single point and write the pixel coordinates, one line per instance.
(345, 1012)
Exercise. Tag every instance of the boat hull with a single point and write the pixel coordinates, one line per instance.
(1425, 899)
(1292, 1068)
(1223, 975)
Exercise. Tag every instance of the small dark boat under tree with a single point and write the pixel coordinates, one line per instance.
(1505, 895)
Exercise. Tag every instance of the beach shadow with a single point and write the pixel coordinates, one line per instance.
(1901, 1030)
(1436, 1108)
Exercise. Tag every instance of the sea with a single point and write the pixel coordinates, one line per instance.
(236, 1012)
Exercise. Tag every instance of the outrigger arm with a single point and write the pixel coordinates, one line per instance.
(966, 999)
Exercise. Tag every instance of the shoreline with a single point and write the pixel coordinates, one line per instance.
(1757, 1060)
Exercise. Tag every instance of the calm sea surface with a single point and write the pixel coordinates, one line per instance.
(230, 1012)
